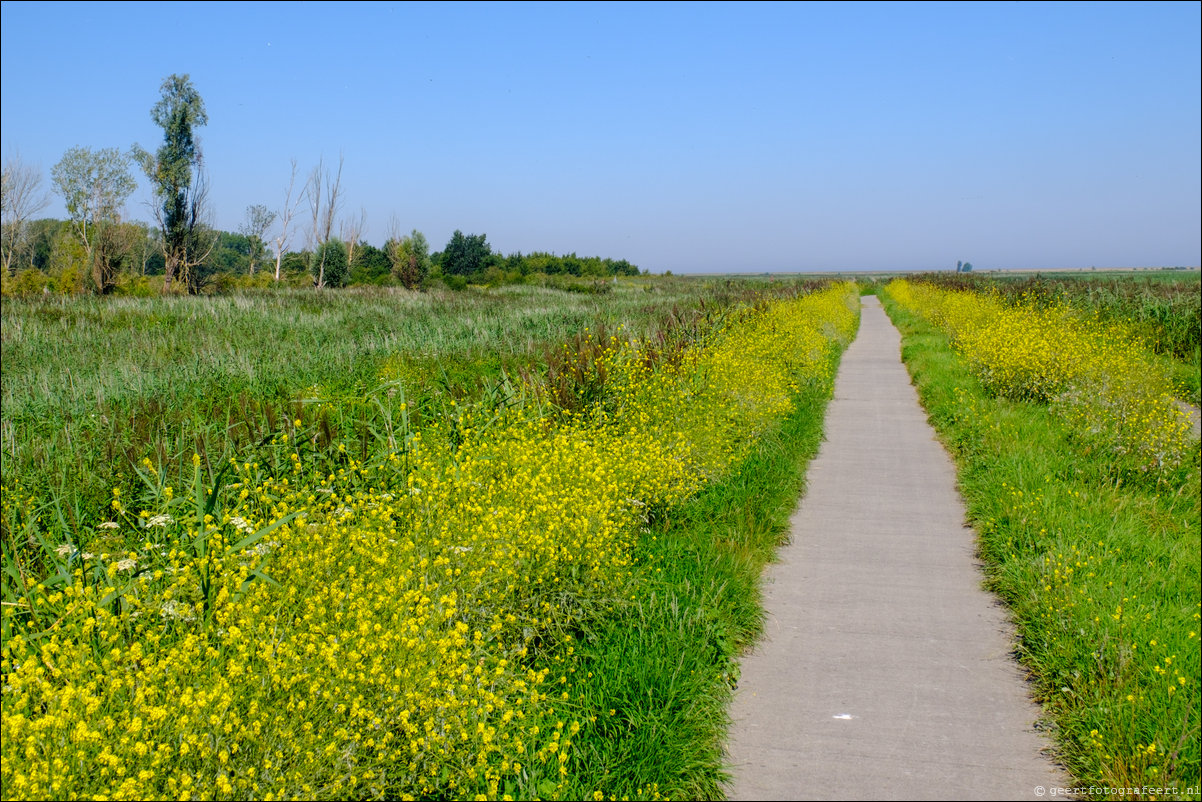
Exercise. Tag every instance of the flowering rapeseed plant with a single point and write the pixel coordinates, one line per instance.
(380, 630)
(1096, 373)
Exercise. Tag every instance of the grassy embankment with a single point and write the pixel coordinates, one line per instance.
(1084, 491)
(270, 546)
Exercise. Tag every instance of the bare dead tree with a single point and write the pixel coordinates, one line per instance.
(323, 212)
(286, 214)
(393, 239)
(21, 197)
(350, 231)
(200, 235)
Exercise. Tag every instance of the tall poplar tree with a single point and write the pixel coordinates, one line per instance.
(176, 172)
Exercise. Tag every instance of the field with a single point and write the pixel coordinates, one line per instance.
(390, 544)
(507, 542)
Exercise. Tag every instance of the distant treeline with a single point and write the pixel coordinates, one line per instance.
(52, 260)
(98, 250)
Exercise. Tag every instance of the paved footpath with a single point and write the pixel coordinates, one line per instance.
(885, 669)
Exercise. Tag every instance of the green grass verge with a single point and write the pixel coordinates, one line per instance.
(92, 385)
(1100, 570)
(652, 684)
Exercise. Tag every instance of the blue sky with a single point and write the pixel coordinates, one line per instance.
(692, 137)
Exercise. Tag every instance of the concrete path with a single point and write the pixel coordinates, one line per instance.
(885, 669)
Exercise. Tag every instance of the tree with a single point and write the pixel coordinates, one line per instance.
(286, 214)
(371, 265)
(324, 213)
(95, 186)
(465, 255)
(177, 174)
(21, 197)
(258, 219)
(146, 252)
(40, 236)
(68, 263)
(409, 256)
(414, 253)
(350, 231)
(330, 259)
(231, 254)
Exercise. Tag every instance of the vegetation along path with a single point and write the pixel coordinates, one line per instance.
(885, 669)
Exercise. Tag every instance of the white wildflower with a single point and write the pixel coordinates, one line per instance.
(173, 609)
(108, 525)
(264, 548)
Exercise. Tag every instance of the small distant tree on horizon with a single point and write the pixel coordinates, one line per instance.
(258, 219)
(465, 255)
(410, 258)
(329, 265)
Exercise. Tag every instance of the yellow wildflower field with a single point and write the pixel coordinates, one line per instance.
(381, 630)
(1098, 374)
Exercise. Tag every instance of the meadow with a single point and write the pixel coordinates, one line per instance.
(506, 543)
(1082, 481)
(387, 544)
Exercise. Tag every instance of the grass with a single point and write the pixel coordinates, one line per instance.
(396, 582)
(93, 385)
(1100, 566)
(653, 683)
(1163, 309)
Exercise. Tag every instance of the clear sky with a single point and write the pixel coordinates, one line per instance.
(692, 137)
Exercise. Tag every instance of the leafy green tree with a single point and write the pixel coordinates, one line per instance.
(329, 265)
(410, 257)
(175, 171)
(68, 264)
(258, 219)
(94, 186)
(231, 254)
(465, 256)
(371, 265)
(146, 255)
(41, 235)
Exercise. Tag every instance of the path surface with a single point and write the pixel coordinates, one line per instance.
(885, 669)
